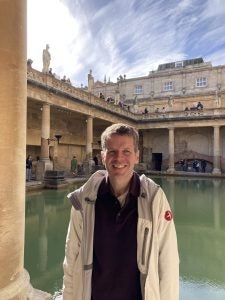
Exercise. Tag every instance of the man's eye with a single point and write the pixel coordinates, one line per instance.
(111, 152)
(126, 152)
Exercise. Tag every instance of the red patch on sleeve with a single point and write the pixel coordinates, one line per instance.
(168, 215)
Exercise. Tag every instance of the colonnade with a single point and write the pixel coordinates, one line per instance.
(216, 150)
(45, 136)
(45, 163)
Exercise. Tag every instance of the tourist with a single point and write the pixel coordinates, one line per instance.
(28, 168)
(95, 159)
(73, 165)
(199, 106)
(196, 165)
(203, 165)
(121, 242)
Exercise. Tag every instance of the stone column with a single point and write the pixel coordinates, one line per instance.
(87, 164)
(14, 279)
(44, 163)
(89, 139)
(216, 151)
(45, 132)
(171, 151)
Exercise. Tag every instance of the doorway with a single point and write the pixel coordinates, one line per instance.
(157, 161)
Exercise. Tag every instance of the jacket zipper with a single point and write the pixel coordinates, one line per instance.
(146, 231)
(82, 255)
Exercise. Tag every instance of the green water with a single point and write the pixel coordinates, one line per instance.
(198, 206)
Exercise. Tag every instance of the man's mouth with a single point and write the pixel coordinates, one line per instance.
(119, 166)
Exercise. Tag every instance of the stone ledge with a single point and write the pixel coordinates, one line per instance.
(21, 289)
(35, 294)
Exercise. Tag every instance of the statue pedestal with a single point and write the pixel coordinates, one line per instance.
(54, 179)
(42, 167)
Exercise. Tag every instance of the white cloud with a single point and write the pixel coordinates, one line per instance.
(118, 37)
(53, 25)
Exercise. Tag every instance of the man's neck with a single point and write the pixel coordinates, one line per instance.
(119, 187)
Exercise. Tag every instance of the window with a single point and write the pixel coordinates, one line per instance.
(168, 86)
(179, 64)
(138, 90)
(201, 82)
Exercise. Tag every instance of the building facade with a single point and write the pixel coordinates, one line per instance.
(186, 96)
(173, 87)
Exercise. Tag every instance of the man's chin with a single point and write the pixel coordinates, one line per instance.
(119, 172)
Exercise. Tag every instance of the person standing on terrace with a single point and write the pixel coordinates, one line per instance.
(121, 242)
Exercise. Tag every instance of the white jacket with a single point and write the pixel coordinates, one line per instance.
(157, 254)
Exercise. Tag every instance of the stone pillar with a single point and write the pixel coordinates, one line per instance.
(216, 151)
(14, 279)
(44, 163)
(87, 164)
(171, 151)
(45, 132)
(117, 96)
(89, 139)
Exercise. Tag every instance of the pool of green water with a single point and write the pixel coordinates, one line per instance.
(198, 207)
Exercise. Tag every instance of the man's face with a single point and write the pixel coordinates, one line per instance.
(120, 157)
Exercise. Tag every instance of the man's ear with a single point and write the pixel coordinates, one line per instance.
(137, 156)
(103, 157)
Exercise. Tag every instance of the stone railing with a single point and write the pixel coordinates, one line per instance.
(176, 115)
(50, 82)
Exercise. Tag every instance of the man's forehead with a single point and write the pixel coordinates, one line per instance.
(119, 146)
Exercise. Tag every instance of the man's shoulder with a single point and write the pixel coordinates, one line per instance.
(144, 180)
(91, 186)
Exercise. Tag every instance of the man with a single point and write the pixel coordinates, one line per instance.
(28, 168)
(121, 242)
(73, 165)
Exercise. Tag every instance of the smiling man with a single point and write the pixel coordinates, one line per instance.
(121, 242)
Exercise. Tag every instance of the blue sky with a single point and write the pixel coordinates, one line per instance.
(117, 37)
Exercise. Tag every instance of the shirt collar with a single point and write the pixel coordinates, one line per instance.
(134, 186)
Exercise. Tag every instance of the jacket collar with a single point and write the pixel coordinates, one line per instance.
(134, 189)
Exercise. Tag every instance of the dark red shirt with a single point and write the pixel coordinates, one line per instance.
(115, 272)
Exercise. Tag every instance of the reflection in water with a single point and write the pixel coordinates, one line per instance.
(198, 206)
(47, 217)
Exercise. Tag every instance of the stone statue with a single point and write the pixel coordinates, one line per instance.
(46, 57)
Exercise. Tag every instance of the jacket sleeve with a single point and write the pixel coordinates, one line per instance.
(168, 252)
(72, 249)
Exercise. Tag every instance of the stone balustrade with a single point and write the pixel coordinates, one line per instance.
(50, 82)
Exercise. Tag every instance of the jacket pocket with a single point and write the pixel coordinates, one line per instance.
(144, 244)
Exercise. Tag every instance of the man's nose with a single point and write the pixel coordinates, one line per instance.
(119, 154)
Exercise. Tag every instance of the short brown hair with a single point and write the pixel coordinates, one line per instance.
(119, 129)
